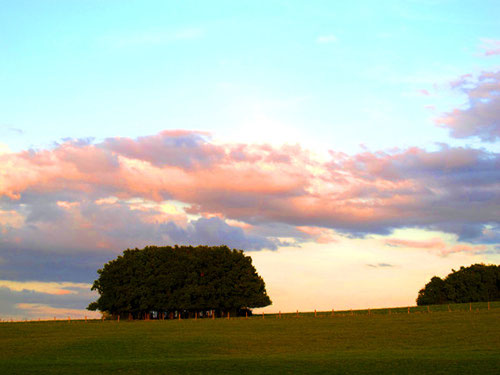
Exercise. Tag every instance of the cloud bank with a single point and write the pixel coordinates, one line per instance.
(177, 186)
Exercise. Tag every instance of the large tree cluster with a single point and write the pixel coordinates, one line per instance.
(477, 283)
(177, 280)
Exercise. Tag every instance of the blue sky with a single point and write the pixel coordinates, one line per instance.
(102, 68)
(392, 104)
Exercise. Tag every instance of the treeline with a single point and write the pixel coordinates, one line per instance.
(477, 283)
(177, 280)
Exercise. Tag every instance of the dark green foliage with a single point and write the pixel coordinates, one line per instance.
(433, 293)
(477, 283)
(179, 279)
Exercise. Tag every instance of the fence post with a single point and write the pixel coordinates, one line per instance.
(408, 309)
(315, 313)
(262, 314)
(118, 318)
(352, 312)
(488, 305)
(297, 313)
(228, 314)
(333, 312)
(280, 314)
(369, 312)
(470, 306)
(246, 314)
(449, 310)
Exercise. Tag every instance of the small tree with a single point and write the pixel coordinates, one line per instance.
(477, 283)
(179, 279)
(433, 293)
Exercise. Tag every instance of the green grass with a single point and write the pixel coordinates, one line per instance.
(460, 342)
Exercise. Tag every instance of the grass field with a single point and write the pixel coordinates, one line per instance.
(440, 342)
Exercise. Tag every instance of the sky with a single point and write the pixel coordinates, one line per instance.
(352, 149)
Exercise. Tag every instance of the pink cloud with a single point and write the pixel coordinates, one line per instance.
(490, 47)
(435, 244)
(320, 235)
(492, 52)
(182, 148)
(452, 189)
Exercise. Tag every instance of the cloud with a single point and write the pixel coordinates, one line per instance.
(34, 262)
(215, 231)
(55, 288)
(179, 148)
(180, 187)
(435, 244)
(481, 117)
(490, 47)
(325, 39)
(29, 304)
(380, 265)
(66, 227)
(320, 235)
(67, 240)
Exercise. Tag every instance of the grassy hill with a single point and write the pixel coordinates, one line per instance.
(440, 342)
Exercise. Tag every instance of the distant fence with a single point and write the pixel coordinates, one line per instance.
(68, 319)
(457, 307)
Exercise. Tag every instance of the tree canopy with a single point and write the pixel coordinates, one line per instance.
(477, 283)
(179, 279)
